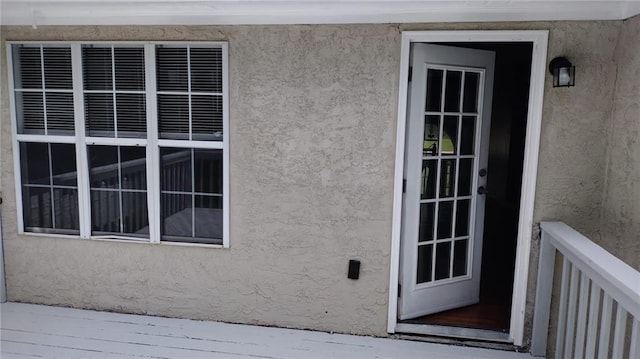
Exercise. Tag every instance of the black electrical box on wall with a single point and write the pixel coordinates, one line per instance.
(354, 269)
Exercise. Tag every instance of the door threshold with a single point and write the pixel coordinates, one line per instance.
(453, 332)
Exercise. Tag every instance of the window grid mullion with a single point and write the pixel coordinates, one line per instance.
(113, 87)
(82, 161)
(153, 157)
(189, 91)
(53, 207)
(193, 195)
(44, 97)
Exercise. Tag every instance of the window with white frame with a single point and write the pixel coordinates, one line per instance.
(122, 140)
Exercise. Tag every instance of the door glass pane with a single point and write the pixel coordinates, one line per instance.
(470, 101)
(427, 214)
(431, 135)
(450, 135)
(467, 135)
(464, 180)
(443, 260)
(434, 90)
(462, 218)
(98, 111)
(445, 219)
(452, 91)
(103, 167)
(425, 259)
(105, 211)
(460, 258)
(447, 178)
(428, 180)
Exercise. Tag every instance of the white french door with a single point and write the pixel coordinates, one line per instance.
(445, 170)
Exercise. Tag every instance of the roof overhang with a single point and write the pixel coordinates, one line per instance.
(238, 12)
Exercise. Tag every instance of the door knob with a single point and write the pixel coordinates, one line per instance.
(482, 173)
(482, 190)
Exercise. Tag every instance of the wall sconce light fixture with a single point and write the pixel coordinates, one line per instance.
(564, 73)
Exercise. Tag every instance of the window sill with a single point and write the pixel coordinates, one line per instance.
(121, 240)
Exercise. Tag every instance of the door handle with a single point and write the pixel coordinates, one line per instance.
(482, 190)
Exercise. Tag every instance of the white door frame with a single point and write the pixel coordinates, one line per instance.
(532, 143)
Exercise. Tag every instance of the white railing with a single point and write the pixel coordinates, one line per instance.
(599, 303)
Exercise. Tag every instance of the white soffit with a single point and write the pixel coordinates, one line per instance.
(236, 12)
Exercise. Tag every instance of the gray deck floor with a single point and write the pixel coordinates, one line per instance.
(29, 331)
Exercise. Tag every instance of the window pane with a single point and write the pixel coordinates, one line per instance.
(450, 135)
(208, 171)
(206, 69)
(30, 112)
(460, 258)
(103, 167)
(434, 90)
(173, 116)
(129, 67)
(50, 202)
(27, 67)
(206, 117)
(191, 195)
(135, 216)
(467, 135)
(427, 216)
(105, 211)
(176, 170)
(447, 178)
(57, 68)
(60, 115)
(133, 167)
(36, 203)
(425, 263)
(208, 217)
(132, 115)
(428, 180)
(452, 92)
(177, 216)
(445, 219)
(63, 164)
(470, 102)
(99, 118)
(443, 260)
(465, 178)
(431, 135)
(97, 68)
(66, 215)
(34, 163)
(462, 218)
(171, 69)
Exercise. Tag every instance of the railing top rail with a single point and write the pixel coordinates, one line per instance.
(619, 280)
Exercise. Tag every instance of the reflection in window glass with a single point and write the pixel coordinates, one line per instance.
(49, 187)
(118, 190)
(191, 195)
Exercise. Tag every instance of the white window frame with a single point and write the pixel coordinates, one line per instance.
(152, 143)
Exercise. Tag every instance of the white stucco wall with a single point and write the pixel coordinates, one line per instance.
(312, 112)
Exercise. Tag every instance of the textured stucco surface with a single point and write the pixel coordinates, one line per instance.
(620, 230)
(313, 116)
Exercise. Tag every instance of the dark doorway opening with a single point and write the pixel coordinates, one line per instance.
(504, 183)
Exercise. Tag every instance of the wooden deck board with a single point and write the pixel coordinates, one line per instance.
(29, 331)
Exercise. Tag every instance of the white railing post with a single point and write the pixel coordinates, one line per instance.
(544, 285)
